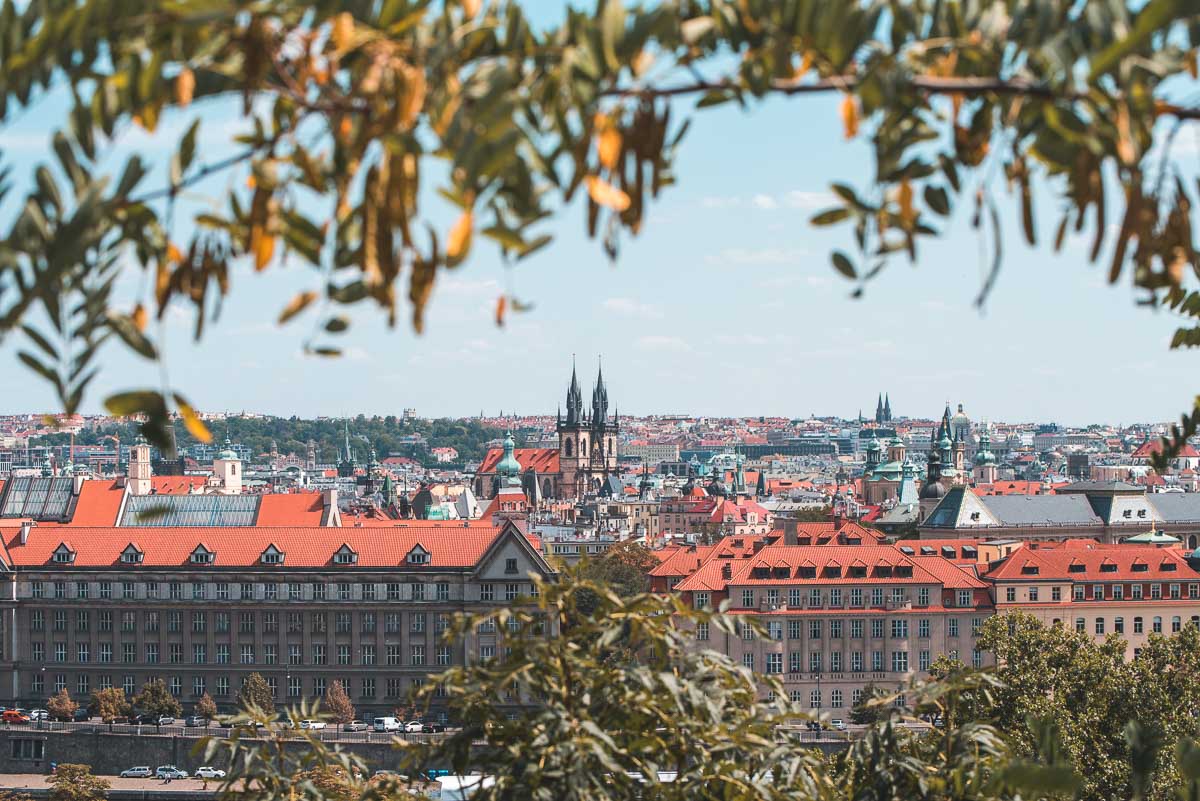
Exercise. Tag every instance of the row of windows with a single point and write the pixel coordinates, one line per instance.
(1114, 591)
(854, 662)
(294, 591)
(152, 621)
(817, 629)
(223, 654)
(815, 598)
(222, 687)
(1139, 625)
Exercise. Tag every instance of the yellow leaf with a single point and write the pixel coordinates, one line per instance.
(608, 143)
(413, 97)
(605, 194)
(458, 243)
(192, 422)
(139, 317)
(264, 249)
(471, 8)
(185, 87)
(642, 62)
(343, 30)
(806, 62)
(907, 214)
(850, 116)
(1125, 149)
(173, 253)
(501, 308)
(296, 305)
(1190, 63)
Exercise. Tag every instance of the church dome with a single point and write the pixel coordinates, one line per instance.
(716, 488)
(227, 451)
(873, 443)
(933, 490)
(960, 423)
(508, 467)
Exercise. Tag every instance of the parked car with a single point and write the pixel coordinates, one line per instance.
(81, 715)
(354, 725)
(433, 728)
(413, 727)
(164, 720)
(14, 716)
(209, 772)
(170, 772)
(39, 714)
(195, 720)
(838, 724)
(139, 772)
(388, 724)
(312, 724)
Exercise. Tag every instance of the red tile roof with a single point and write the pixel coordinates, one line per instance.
(1055, 564)
(1153, 446)
(295, 509)
(97, 504)
(176, 485)
(448, 545)
(543, 460)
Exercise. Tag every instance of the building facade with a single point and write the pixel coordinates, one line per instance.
(86, 609)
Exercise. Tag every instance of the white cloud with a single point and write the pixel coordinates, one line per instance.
(742, 256)
(799, 199)
(765, 202)
(663, 343)
(715, 202)
(629, 307)
(466, 286)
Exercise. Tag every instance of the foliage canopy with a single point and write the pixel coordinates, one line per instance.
(352, 107)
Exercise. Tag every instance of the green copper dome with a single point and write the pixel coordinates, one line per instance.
(227, 451)
(509, 467)
(873, 442)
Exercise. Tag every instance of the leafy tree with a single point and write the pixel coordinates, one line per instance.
(155, 699)
(60, 706)
(338, 703)
(872, 707)
(956, 99)
(206, 708)
(71, 782)
(1060, 674)
(256, 694)
(624, 569)
(109, 703)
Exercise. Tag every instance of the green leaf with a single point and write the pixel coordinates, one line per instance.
(830, 216)
(612, 32)
(937, 200)
(336, 325)
(145, 401)
(1153, 17)
(843, 265)
(187, 146)
(127, 330)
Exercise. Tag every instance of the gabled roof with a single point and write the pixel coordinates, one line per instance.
(449, 546)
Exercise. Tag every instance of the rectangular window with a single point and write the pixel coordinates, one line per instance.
(923, 628)
(198, 591)
(391, 623)
(106, 590)
(899, 628)
(877, 661)
(1100, 625)
(343, 654)
(343, 592)
(368, 622)
(1118, 592)
(368, 654)
(418, 622)
(1033, 594)
(814, 629)
(128, 621)
(877, 628)
(835, 629)
(294, 655)
(175, 653)
(1056, 593)
(702, 632)
(1155, 592)
(174, 621)
(270, 654)
(795, 598)
(199, 622)
(856, 662)
(416, 655)
(774, 663)
(152, 621)
(343, 623)
(747, 598)
(899, 661)
(417, 590)
(952, 627)
(1135, 592)
(81, 589)
(443, 591)
(199, 653)
(923, 596)
(368, 594)
(1098, 592)
(319, 592)
(318, 654)
(964, 598)
(270, 592)
(923, 660)
(222, 623)
(794, 629)
(835, 596)
(222, 591)
(393, 592)
(222, 653)
(247, 591)
(511, 591)
(106, 652)
(877, 596)
(702, 600)
(856, 629)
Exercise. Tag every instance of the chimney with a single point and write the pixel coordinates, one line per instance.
(758, 545)
(838, 520)
(26, 525)
(78, 484)
(791, 532)
(726, 571)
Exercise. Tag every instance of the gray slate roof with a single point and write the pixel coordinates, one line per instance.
(1176, 507)
(1042, 510)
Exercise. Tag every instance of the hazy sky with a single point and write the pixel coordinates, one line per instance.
(725, 304)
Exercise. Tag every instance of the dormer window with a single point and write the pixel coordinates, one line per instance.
(202, 556)
(63, 554)
(975, 515)
(1127, 513)
(1139, 567)
(1168, 566)
(271, 556)
(1076, 567)
(1141, 512)
(1030, 570)
(1108, 567)
(417, 556)
(132, 555)
(345, 556)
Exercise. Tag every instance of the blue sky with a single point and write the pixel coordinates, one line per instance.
(725, 304)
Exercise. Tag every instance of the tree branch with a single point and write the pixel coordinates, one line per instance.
(926, 83)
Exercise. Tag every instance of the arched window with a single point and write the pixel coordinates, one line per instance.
(546, 493)
(1192, 542)
(835, 699)
(567, 447)
(814, 699)
(583, 447)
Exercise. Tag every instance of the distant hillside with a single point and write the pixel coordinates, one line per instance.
(385, 434)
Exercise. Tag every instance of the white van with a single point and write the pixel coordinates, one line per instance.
(388, 724)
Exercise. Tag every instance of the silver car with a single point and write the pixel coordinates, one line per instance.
(139, 772)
